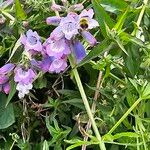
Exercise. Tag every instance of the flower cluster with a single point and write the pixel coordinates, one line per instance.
(62, 42)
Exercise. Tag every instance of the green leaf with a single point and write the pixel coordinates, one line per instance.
(7, 113)
(104, 46)
(20, 13)
(121, 20)
(75, 102)
(125, 134)
(17, 45)
(114, 6)
(103, 17)
(134, 84)
(146, 91)
(45, 145)
(12, 91)
(120, 44)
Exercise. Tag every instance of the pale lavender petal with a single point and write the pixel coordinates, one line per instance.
(57, 34)
(53, 20)
(57, 48)
(87, 13)
(45, 64)
(69, 27)
(23, 39)
(31, 41)
(58, 65)
(92, 23)
(7, 68)
(89, 38)
(24, 76)
(78, 51)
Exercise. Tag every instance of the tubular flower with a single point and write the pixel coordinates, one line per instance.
(4, 80)
(68, 28)
(58, 65)
(89, 37)
(56, 48)
(31, 41)
(24, 79)
(78, 50)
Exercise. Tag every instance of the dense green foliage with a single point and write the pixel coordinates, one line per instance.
(53, 116)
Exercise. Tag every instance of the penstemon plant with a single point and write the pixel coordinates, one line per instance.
(96, 43)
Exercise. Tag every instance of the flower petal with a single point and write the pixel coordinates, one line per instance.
(6, 88)
(89, 38)
(7, 68)
(53, 20)
(79, 51)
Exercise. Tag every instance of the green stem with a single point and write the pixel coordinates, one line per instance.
(145, 2)
(125, 115)
(86, 104)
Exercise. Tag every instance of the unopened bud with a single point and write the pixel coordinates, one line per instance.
(53, 20)
(77, 7)
(89, 37)
(56, 7)
(25, 24)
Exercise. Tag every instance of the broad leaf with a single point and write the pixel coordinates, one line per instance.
(7, 113)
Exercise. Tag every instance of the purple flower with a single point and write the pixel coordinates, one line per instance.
(45, 63)
(86, 19)
(58, 65)
(69, 26)
(24, 79)
(4, 79)
(78, 51)
(24, 76)
(56, 48)
(5, 88)
(23, 89)
(31, 41)
(57, 34)
(89, 37)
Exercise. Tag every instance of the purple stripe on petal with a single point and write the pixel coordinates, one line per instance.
(7, 68)
(89, 38)
(79, 51)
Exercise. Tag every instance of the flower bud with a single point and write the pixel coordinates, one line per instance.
(53, 20)
(76, 7)
(25, 24)
(56, 7)
(89, 37)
